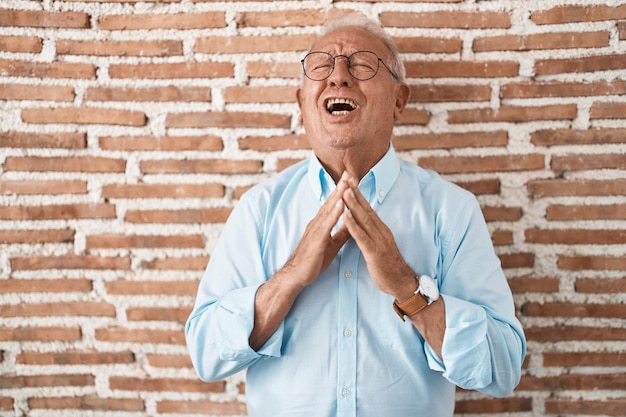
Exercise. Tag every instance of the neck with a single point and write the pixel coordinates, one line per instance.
(356, 163)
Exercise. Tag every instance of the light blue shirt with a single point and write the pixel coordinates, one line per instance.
(342, 350)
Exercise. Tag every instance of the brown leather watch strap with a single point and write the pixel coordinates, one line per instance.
(413, 305)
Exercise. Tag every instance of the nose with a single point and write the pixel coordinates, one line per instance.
(341, 75)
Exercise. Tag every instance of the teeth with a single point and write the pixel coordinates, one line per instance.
(339, 105)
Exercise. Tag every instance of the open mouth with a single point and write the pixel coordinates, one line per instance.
(340, 106)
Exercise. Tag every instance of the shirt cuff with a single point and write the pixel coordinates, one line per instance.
(236, 321)
(466, 355)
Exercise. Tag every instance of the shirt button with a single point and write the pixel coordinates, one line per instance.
(345, 392)
(347, 333)
(381, 193)
(348, 274)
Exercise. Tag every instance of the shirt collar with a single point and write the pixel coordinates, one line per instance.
(385, 173)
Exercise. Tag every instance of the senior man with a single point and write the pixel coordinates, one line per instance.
(354, 283)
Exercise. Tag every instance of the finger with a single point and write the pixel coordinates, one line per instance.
(362, 212)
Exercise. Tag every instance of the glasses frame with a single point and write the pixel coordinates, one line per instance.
(347, 57)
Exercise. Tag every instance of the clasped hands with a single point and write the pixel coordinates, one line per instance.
(319, 246)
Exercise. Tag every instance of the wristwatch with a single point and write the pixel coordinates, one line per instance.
(425, 294)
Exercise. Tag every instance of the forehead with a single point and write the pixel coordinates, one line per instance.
(350, 39)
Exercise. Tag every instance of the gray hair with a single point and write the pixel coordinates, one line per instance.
(373, 27)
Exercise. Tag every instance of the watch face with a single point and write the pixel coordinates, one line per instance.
(429, 288)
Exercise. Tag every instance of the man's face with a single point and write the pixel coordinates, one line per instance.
(373, 104)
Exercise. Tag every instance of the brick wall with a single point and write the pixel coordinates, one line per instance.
(129, 130)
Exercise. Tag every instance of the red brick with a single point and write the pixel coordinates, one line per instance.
(564, 137)
(583, 187)
(577, 382)
(62, 285)
(43, 140)
(414, 117)
(426, 45)
(485, 186)
(601, 285)
(119, 48)
(501, 213)
(274, 69)
(64, 164)
(603, 310)
(282, 18)
(540, 41)
(164, 384)
(166, 93)
(109, 241)
(13, 68)
(284, 163)
(504, 163)
(447, 19)
(183, 263)
(586, 212)
(44, 19)
(64, 211)
(461, 69)
(32, 187)
(274, 143)
(84, 115)
(185, 216)
(6, 403)
(69, 309)
(169, 361)
(54, 380)
(567, 406)
(534, 284)
(493, 405)
(30, 44)
(125, 287)
(36, 236)
(254, 44)
(205, 190)
(580, 65)
(451, 140)
(502, 237)
(601, 110)
(574, 13)
(577, 162)
(181, 21)
(40, 334)
(517, 260)
(576, 236)
(87, 403)
(168, 143)
(149, 336)
(227, 120)
(562, 89)
(202, 407)
(202, 166)
(579, 262)
(514, 114)
(31, 263)
(621, 29)
(172, 70)
(178, 314)
(561, 333)
(449, 93)
(604, 359)
(36, 92)
(260, 94)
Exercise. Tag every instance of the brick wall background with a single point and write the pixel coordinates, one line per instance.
(129, 130)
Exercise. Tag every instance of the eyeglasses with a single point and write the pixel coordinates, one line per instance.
(362, 65)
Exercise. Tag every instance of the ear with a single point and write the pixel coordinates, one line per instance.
(299, 100)
(403, 93)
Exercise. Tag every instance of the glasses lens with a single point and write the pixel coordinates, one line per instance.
(318, 65)
(363, 65)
